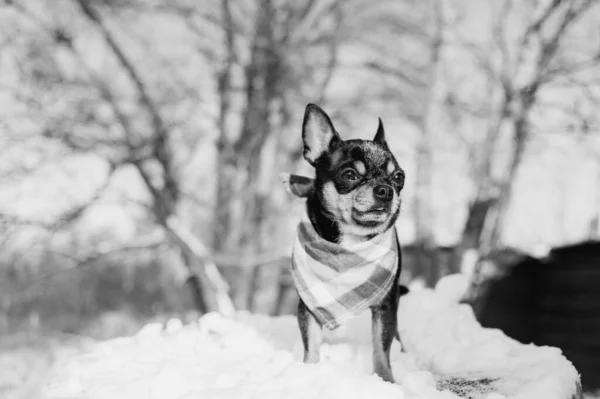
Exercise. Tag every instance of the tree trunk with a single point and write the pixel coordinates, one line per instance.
(423, 212)
(226, 167)
(493, 226)
(595, 222)
(495, 214)
(165, 194)
(201, 264)
(244, 173)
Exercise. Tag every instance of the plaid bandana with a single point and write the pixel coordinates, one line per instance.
(339, 282)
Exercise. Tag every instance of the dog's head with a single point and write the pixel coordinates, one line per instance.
(358, 182)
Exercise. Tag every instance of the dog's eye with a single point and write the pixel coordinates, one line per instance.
(349, 174)
(399, 179)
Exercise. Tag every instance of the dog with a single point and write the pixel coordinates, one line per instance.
(347, 256)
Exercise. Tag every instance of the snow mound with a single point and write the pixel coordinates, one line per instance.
(448, 355)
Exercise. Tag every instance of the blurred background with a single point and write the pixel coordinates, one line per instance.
(141, 143)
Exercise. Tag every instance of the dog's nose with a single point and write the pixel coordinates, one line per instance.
(383, 192)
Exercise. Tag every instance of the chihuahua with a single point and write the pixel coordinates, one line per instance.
(347, 257)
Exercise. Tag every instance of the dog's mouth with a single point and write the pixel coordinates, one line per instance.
(370, 218)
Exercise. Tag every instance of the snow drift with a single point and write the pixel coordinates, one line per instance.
(448, 355)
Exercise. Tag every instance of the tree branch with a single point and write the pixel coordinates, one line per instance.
(571, 69)
(160, 144)
(196, 248)
(333, 54)
(128, 66)
(148, 242)
(65, 218)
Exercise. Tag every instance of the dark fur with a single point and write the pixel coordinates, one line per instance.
(330, 161)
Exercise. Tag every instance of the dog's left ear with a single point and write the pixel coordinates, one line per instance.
(380, 135)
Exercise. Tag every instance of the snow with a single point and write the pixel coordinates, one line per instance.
(253, 356)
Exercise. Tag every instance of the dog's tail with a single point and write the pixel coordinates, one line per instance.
(402, 290)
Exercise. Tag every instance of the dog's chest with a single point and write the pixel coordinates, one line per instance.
(349, 240)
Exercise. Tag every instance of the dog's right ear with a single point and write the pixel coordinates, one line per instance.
(318, 133)
(300, 186)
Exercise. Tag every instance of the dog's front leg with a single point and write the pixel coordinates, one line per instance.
(311, 332)
(384, 329)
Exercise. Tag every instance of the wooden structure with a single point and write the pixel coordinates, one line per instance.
(553, 301)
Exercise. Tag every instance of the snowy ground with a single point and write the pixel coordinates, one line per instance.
(27, 360)
(250, 356)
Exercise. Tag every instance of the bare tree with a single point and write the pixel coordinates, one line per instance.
(147, 149)
(290, 59)
(415, 91)
(273, 77)
(270, 58)
(520, 66)
(267, 62)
